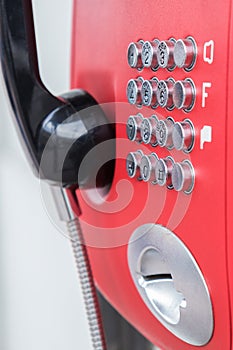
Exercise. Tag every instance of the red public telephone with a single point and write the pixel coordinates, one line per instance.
(154, 129)
(163, 258)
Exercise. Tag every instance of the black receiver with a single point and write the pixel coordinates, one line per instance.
(58, 131)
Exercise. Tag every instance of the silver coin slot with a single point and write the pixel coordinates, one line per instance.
(171, 283)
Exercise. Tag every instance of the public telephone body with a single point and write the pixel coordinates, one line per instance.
(145, 146)
(191, 137)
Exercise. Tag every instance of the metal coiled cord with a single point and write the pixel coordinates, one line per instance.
(87, 284)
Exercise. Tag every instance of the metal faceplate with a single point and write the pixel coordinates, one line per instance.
(170, 283)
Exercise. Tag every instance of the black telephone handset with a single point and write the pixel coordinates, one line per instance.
(57, 133)
(46, 123)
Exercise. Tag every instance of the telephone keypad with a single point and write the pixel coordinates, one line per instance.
(162, 132)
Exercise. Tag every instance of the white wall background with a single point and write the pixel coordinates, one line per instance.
(40, 301)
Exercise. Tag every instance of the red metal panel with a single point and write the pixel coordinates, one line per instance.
(102, 31)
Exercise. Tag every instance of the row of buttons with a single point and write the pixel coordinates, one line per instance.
(164, 172)
(165, 133)
(163, 93)
(168, 54)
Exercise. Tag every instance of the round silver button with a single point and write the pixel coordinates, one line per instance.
(183, 176)
(164, 93)
(134, 55)
(133, 91)
(147, 167)
(185, 53)
(133, 127)
(148, 130)
(149, 88)
(133, 162)
(165, 52)
(183, 136)
(163, 172)
(164, 131)
(184, 94)
(149, 54)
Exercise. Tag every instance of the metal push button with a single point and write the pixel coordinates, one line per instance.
(149, 97)
(133, 91)
(164, 93)
(185, 53)
(165, 52)
(149, 54)
(133, 161)
(147, 167)
(148, 130)
(183, 176)
(183, 136)
(134, 55)
(163, 172)
(133, 127)
(164, 131)
(184, 94)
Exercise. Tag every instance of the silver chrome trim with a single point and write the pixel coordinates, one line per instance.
(171, 283)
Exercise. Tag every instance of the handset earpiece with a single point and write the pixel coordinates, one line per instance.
(58, 132)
